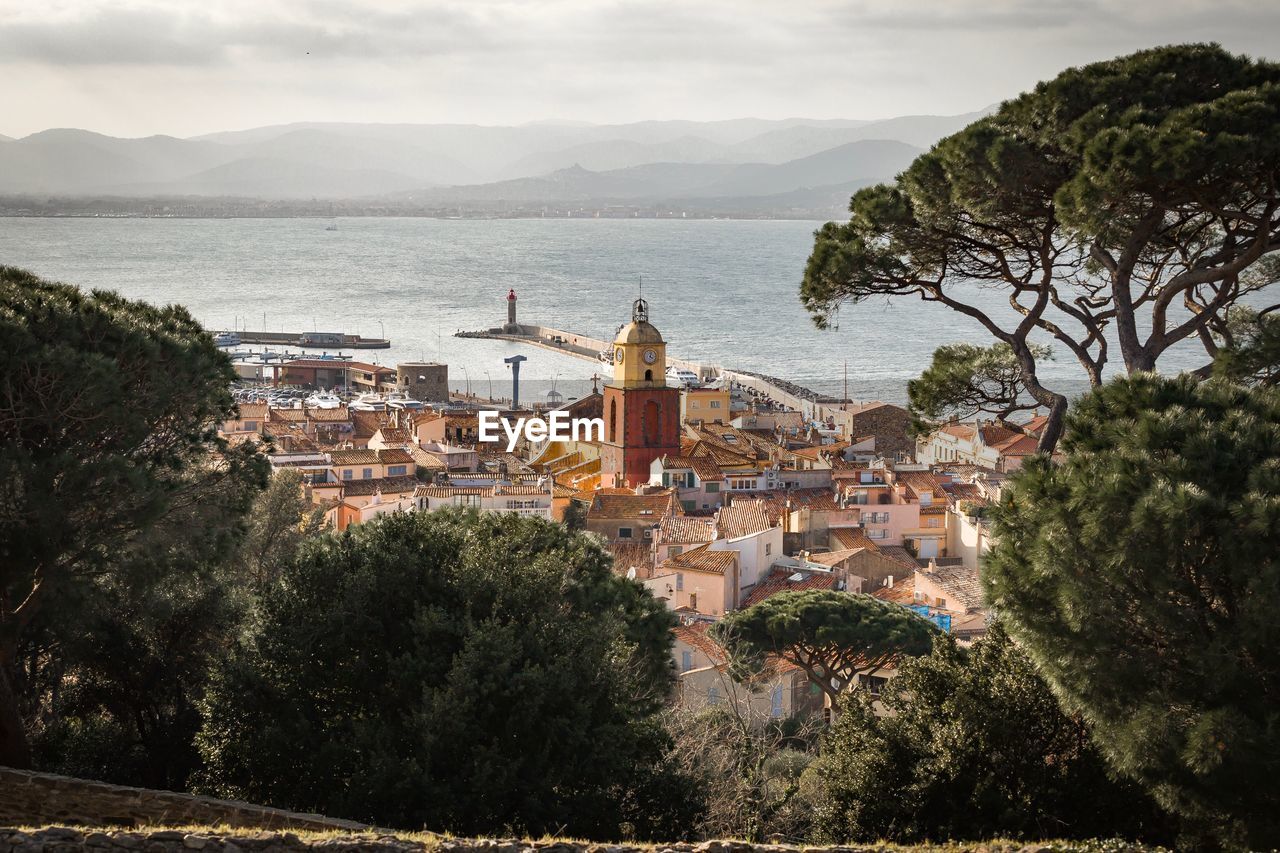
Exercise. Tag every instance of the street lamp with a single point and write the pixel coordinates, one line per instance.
(467, 376)
(382, 332)
(490, 378)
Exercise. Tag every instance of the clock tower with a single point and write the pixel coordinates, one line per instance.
(641, 414)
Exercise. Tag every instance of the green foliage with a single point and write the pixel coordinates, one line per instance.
(1101, 203)
(1251, 350)
(1142, 574)
(832, 636)
(114, 680)
(974, 746)
(281, 520)
(964, 380)
(467, 672)
(109, 461)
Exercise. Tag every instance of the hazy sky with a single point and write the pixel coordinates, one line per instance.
(185, 67)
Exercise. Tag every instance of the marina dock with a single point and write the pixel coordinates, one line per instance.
(307, 340)
(812, 404)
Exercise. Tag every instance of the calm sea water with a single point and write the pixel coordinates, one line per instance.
(721, 292)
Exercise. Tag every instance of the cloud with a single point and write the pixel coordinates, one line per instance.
(174, 66)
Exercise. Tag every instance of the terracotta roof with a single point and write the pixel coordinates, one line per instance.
(921, 482)
(451, 491)
(426, 458)
(993, 434)
(338, 414)
(961, 585)
(354, 457)
(1033, 426)
(252, 411)
(820, 500)
(289, 415)
(743, 518)
(695, 636)
(687, 530)
(385, 485)
(902, 555)
(627, 555)
(630, 505)
(368, 423)
(700, 559)
(704, 466)
(968, 431)
(780, 580)
(830, 558)
(1017, 445)
(819, 449)
(903, 590)
(394, 456)
(853, 538)
(395, 435)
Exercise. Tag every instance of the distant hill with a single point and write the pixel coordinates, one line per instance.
(856, 162)
(547, 161)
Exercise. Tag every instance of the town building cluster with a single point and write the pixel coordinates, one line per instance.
(708, 496)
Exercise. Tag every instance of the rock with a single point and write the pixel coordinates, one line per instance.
(195, 842)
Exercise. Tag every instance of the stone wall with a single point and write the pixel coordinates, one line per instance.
(43, 798)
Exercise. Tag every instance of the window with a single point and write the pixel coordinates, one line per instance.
(693, 600)
(624, 532)
(679, 581)
(367, 474)
(713, 695)
(877, 534)
(715, 404)
(712, 488)
(775, 701)
(666, 478)
(675, 550)
(346, 473)
(397, 470)
(768, 548)
(686, 661)
(251, 426)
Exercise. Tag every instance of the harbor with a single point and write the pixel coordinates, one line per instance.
(306, 340)
(818, 407)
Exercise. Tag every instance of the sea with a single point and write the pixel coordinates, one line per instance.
(722, 292)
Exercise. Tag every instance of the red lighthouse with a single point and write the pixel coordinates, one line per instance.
(511, 311)
(641, 414)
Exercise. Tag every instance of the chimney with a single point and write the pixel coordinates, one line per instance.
(889, 584)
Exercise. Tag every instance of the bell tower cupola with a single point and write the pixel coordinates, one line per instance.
(639, 352)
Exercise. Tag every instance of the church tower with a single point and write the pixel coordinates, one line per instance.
(641, 414)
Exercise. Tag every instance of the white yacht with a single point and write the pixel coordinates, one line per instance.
(401, 400)
(368, 402)
(681, 376)
(226, 339)
(323, 400)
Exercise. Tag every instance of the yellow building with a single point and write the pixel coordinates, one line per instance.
(704, 405)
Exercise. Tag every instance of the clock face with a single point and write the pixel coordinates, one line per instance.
(617, 355)
(650, 356)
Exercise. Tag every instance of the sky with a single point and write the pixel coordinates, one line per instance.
(186, 67)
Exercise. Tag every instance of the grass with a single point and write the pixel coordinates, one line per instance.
(431, 840)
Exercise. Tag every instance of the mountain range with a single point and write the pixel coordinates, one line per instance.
(796, 161)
